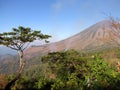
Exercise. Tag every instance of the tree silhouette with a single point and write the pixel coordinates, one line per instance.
(19, 39)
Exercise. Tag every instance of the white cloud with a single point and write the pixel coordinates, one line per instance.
(57, 6)
(60, 4)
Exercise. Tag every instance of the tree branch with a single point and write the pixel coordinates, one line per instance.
(26, 46)
(12, 48)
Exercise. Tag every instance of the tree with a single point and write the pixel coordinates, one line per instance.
(19, 39)
(114, 32)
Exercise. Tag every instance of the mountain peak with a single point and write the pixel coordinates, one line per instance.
(98, 36)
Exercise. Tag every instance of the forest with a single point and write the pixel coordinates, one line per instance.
(68, 70)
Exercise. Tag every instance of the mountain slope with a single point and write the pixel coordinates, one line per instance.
(5, 50)
(97, 37)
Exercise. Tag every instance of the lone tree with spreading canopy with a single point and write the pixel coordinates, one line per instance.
(19, 39)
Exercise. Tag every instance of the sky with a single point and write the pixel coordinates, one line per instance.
(59, 18)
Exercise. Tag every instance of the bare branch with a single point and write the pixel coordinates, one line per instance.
(12, 47)
(26, 46)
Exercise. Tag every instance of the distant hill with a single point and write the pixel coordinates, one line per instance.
(6, 53)
(8, 63)
(5, 50)
(100, 36)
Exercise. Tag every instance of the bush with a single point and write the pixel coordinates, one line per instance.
(71, 71)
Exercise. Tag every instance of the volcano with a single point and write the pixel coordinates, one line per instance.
(97, 37)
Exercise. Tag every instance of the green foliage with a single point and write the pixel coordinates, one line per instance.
(43, 83)
(19, 36)
(71, 71)
(79, 73)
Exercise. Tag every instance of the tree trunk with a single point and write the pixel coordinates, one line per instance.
(22, 64)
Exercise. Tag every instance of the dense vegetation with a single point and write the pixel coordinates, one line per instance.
(67, 70)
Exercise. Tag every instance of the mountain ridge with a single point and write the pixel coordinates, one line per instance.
(97, 36)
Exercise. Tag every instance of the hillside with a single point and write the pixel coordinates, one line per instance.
(100, 36)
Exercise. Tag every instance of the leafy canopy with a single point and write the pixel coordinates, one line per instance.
(20, 36)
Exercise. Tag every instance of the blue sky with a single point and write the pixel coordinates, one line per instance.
(59, 18)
